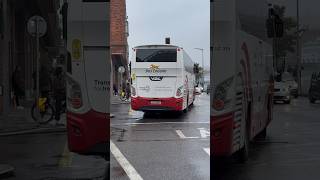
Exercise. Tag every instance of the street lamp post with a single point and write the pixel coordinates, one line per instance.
(298, 49)
(201, 49)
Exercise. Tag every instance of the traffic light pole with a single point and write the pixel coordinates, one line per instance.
(298, 50)
(38, 67)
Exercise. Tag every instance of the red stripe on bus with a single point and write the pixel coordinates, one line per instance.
(138, 103)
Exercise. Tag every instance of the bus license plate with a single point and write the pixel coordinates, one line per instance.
(155, 102)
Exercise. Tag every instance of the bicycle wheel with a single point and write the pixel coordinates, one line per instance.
(42, 117)
(123, 98)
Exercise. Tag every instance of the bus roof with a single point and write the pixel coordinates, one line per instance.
(157, 46)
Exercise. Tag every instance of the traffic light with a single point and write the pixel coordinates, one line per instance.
(274, 25)
(167, 40)
(270, 28)
(279, 27)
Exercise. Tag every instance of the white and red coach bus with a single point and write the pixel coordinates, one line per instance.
(241, 79)
(162, 78)
(88, 76)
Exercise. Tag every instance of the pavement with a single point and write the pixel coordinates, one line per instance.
(41, 152)
(19, 121)
(116, 100)
(161, 146)
(46, 157)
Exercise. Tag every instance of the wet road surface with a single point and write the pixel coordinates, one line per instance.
(291, 150)
(161, 146)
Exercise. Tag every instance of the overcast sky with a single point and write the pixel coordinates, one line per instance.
(186, 22)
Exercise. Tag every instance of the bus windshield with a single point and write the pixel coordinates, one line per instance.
(156, 55)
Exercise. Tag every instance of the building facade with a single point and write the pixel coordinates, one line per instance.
(18, 47)
(119, 44)
(310, 63)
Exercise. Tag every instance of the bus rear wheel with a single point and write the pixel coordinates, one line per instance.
(187, 108)
(243, 154)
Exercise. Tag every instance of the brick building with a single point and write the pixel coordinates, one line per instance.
(119, 44)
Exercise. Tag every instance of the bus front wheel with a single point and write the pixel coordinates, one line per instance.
(243, 154)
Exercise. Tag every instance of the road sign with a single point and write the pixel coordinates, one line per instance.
(121, 69)
(37, 25)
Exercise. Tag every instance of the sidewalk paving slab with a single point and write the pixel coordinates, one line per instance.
(18, 122)
(116, 100)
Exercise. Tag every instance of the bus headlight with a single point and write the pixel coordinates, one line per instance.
(220, 94)
(179, 91)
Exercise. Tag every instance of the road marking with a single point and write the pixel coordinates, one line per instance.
(124, 163)
(159, 123)
(204, 133)
(207, 150)
(182, 136)
(66, 159)
(130, 111)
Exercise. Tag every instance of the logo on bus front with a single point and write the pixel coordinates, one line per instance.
(156, 78)
(155, 69)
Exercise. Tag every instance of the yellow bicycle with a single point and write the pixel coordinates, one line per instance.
(123, 96)
(42, 111)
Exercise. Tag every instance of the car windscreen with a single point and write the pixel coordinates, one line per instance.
(156, 55)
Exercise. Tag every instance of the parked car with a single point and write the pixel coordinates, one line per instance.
(291, 83)
(208, 89)
(201, 88)
(293, 87)
(314, 90)
(281, 92)
(198, 90)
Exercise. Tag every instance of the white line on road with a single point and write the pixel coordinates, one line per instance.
(182, 136)
(66, 157)
(204, 133)
(159, 123)
(125, 164)
(207, 150)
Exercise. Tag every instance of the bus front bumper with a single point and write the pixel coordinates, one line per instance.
(88, 133)
(222, 134)
(156, 104)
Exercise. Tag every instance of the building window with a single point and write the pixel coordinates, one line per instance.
(127, 27)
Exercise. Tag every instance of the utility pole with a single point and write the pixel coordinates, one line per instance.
(298, 50)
